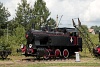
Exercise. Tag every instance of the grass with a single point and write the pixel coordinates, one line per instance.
(85, 57)
(51, 64)
(13, 63)
(64, 64)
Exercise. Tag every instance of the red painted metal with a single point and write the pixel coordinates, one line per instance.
(23, 49)
(98, 49)
(26, 36)
(46, 56)
(57, 52)
(65, 53)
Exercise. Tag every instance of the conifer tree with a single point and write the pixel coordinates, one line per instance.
(41, 14)
(4, 14)
(23, 13)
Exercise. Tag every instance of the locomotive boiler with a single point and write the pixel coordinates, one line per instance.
(46, 43)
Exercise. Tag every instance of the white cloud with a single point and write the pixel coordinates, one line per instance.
(86, 10)
(91, 15)
(13, 4)
(68, 8)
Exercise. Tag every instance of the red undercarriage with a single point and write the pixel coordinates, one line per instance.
(57, 52)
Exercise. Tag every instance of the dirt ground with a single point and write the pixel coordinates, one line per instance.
(20, 60)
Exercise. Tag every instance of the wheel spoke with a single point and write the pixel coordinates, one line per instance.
(46, 54)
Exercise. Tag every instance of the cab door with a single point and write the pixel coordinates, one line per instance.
(74, 38)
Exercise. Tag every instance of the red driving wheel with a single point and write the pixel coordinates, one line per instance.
(57, 53)
(65, 53)
(46, 54)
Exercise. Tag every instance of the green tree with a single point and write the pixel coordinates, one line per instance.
(23, 13)
(41, 14)
(96, 28)
(12, 25)
(4, 14)
(85, 28)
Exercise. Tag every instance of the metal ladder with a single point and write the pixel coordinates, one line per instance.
(85, 36)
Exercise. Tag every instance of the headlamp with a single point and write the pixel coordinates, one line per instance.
(30, 45)
(22, 46)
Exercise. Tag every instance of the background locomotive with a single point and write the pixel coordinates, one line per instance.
(46, 43)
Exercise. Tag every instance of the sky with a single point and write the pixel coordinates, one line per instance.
(87, 10)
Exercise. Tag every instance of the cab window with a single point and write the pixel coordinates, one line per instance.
(73, 33)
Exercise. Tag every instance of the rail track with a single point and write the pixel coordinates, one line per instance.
(49, 60)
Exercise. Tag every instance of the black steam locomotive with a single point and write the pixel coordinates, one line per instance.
(46, 43)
